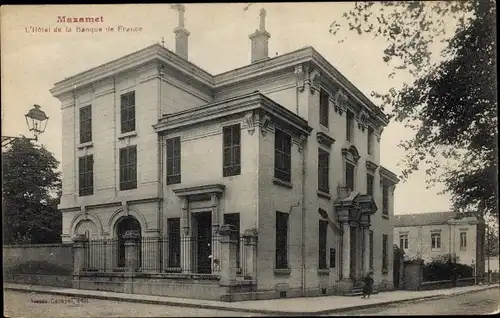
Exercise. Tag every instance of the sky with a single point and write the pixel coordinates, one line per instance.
(32, 62)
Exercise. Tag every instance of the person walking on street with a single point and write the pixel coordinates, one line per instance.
(368, 285)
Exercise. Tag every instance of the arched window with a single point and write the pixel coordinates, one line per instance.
(124, 225)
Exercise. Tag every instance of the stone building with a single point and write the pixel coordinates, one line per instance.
(429, 235)
(285, 149)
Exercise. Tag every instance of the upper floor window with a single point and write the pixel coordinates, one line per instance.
(281, 240)
(86, 175)
(436, 240)
(323, 230)
(370, 141)
(323, 108)
(128, 168)
(282, 156)
(323, 170)
(86, 124)
(369, 184)
(403, 241)
(174, 160)
(349, 176)
(127, 102)
(385, 199)
(463, 240)
(349, 126)
(232, 150)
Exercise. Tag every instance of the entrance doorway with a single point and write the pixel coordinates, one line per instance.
(127, 223)
(204, 242)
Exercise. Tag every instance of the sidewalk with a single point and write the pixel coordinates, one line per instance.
(286, 306)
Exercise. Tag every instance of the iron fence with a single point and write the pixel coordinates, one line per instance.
(157, 255)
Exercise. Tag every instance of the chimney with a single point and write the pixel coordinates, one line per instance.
(260, 39)
(181, 34)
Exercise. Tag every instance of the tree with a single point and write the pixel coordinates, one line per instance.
(451, 103)
(31, 192)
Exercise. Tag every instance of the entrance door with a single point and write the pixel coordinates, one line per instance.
(204, 242)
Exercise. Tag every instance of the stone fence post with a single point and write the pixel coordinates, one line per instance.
(80, 245)
(228, 244)
(132, 252)
(250, 262)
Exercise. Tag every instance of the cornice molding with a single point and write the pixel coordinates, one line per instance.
(240, 104)
(371, 166)
(324, 139)
(217, 189)
(137, 60)
(388, 175)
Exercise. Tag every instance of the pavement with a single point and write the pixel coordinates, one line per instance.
(286, 306)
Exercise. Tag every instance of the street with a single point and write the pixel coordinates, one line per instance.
(20, 304)
(477, 303)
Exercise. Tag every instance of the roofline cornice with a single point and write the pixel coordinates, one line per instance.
(240, 104)
(147, 55)
(158, 53)
(344, 83)
(387, 174)
(263, 67)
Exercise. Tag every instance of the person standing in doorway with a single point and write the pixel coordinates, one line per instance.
(368, 285)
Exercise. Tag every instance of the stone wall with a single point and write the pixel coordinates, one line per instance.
(42, 264)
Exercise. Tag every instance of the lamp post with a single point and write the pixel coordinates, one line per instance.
(36, 120)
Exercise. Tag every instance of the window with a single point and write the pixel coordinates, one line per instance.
(281, 240)
(234, 220)
(128, 168)
(127, 102)
(231, 163)
(403, 241)
(463, 240)
(371, 249)
(323, 108)
(436, 240)
(174, 160)
(349, 126)
(86, 124)
(174, 242)
(369, 184)
(333, 257)
(385, 199)
(323, 169)
(86, 175)
(385, 251)
(282, 156)
(349, 176)
(323, 228)
(370, 141)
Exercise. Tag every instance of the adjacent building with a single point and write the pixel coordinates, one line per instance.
(285, 149)
(429, 235)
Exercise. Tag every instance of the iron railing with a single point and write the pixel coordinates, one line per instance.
(160, 255)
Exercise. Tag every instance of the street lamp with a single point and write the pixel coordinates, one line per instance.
(36, 120)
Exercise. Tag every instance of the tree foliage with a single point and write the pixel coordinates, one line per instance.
(31, 192)
(451, 103)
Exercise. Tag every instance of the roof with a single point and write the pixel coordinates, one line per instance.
(162, 54)
(417, 219)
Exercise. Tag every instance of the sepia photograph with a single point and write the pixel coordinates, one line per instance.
(250, 159)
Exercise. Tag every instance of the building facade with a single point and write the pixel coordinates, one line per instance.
(429, 235)
(285, 148)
